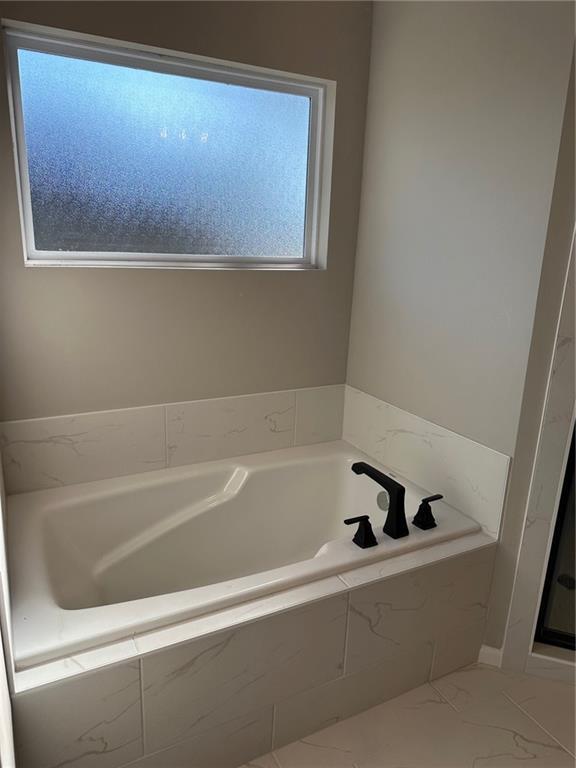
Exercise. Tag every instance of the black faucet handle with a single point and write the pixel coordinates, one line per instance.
(364, 536)
(424, 518)
(436, 497)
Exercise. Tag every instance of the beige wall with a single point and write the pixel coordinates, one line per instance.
(87, 339)
(463, 127)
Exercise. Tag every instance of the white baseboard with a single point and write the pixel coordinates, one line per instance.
(490, 655)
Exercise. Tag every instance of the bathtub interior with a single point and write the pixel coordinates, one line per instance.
(213, 525)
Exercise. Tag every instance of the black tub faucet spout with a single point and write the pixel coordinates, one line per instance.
(395, 525)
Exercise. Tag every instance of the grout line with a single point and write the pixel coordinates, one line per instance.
(343, 580)
(341, 411)
(515, 704)
(137, 762)
(346, 634)
(431, 684)
(295, 424)
(274, 721)
(374, 665)
(538, 723)
(142, 718)
(433, 659)
(170, 402)
(276, 759)
(165, 409)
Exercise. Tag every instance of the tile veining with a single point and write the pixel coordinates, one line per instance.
(94, 719)
(204, 430)
(63, 450)
(464, 720)
(196, 686)
(434, 457)
(47, 453)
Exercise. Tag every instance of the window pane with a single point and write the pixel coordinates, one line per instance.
(129, 160)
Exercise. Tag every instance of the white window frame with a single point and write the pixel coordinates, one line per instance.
(322, 94)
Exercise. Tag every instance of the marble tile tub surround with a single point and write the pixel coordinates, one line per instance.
(93, 720)
(63, 450)
(219, 700)
(471, 476)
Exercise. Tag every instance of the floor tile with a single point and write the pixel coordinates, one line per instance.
(474, 685)
(360, 738)
(266, 761)
(420, 729)
(550, 703)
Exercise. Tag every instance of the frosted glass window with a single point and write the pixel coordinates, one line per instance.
(126, 163)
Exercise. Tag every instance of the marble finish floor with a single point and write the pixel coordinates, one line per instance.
(478, 717)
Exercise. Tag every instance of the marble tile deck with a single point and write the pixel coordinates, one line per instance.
(477, 717)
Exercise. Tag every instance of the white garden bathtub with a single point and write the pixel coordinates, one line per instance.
(106, 560)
